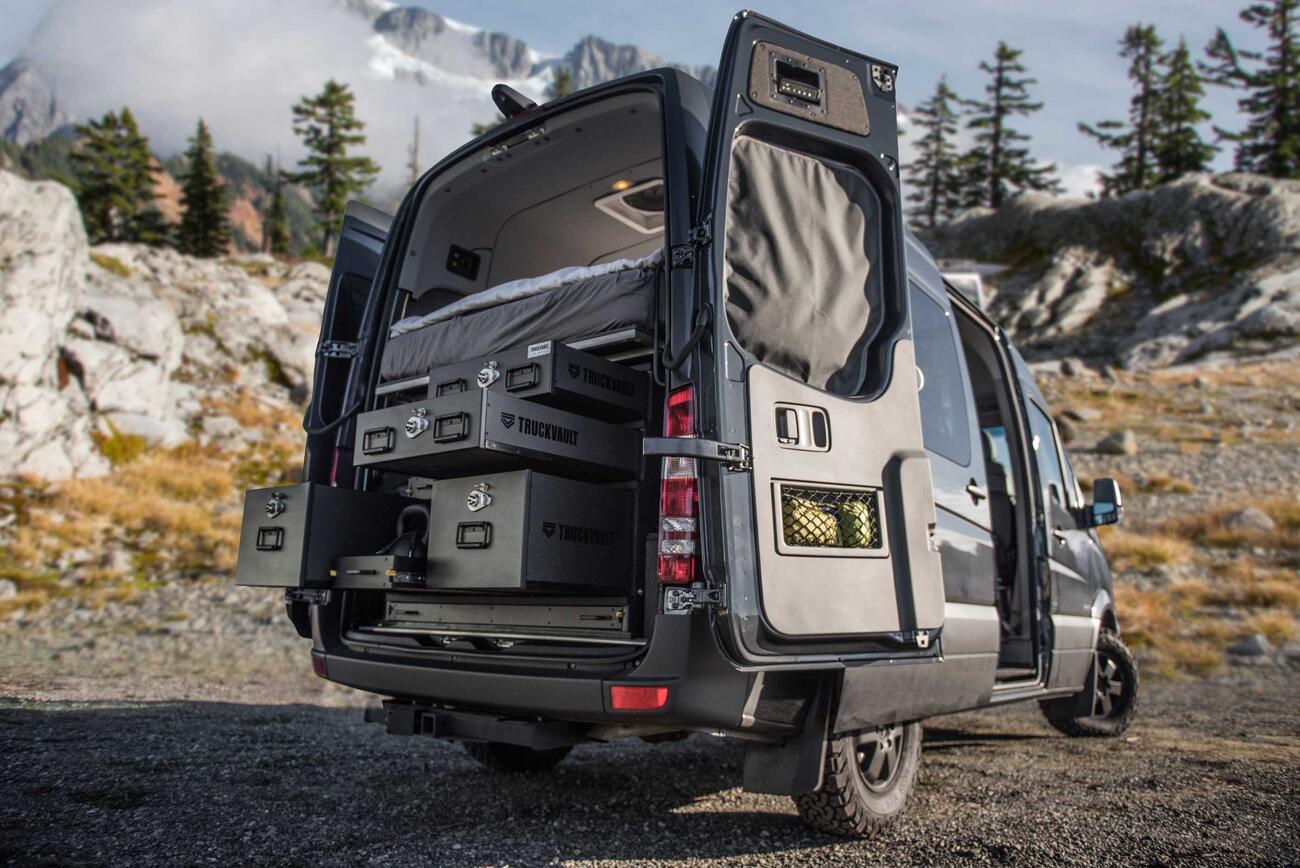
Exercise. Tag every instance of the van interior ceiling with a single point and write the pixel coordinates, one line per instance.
(575, 191)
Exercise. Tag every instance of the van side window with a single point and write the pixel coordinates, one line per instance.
(944, 425)
(1045, 454)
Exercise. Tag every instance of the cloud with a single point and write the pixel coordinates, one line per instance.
(241, 65)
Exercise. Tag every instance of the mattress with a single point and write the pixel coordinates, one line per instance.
(565, 305)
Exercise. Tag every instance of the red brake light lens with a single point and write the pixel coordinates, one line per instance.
(679, 496)
(625, 698)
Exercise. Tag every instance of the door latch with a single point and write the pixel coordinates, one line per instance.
(683, 600)
(734, 456)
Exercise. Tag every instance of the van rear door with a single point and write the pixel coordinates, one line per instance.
(356, 261)
(825, 545)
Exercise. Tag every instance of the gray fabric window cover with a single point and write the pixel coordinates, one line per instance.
(802, 237)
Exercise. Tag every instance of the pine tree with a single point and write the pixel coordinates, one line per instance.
(1270, 82)
(100, 177)
(1136, 140)
(114, 181)
(329, 127)
(1179, 148)
(561, 83)
(937, 173)
(142, 221)
(413, 156)
(276, 233)
(999, 163)
(204, 229)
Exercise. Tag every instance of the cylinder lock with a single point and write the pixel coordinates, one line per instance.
(478, 498)
(488, 375)
(418, 423)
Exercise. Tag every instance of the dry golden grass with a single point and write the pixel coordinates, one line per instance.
(1208, 528)
(173, 512)
(1129, 550)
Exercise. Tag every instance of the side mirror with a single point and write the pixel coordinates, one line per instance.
(1107, 506)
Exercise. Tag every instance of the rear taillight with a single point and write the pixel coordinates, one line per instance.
(679, 496)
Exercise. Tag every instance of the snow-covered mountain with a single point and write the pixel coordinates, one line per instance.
(241, 64)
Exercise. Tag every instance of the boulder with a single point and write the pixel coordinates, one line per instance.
(1250, 518)
(1120, 443)
(1251, 646)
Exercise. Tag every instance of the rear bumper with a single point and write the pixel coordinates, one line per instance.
(704, 690)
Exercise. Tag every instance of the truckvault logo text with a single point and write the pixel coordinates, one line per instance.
(574, 534)
(542, 430)
(601, 380)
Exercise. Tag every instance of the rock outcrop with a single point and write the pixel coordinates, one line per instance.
(128, 341)
(1205, 266)
(29, 110)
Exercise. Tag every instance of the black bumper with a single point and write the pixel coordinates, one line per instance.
(704, 690)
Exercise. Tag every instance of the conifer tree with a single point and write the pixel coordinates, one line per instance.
(204, 229)
(98, 163)
(413, 156)
(561, 83)
(937, 173)
(999, 164)
(114, 181)
(142, 221)
(328, 126)
(1179, 148)
(1136, 139)
(1270, 84)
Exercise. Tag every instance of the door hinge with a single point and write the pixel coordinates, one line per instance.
(734, 456)
(337, 349)
(683, 255)
(681, 600)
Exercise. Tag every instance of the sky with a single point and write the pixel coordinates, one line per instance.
(1069, 47)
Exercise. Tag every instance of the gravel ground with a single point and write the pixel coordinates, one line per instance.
(271, 774)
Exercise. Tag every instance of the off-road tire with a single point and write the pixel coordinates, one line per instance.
(513, 759)
(1113, 718)
(845, 804)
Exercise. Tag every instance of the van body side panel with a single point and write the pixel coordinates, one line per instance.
(877, 694)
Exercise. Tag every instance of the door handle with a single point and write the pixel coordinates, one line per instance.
(976, 493)
(1059, 536)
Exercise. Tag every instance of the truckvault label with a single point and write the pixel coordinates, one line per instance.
(602, 380)
(541, 430)
(572, 533)
(541, 349)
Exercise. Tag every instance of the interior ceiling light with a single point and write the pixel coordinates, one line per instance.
(620, 185)
(639, 205)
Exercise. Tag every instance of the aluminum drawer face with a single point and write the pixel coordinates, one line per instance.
(291, 535)
(528, 531)
(483, 431)
(551, 374)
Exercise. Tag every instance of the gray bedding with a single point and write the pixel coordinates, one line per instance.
(570, 312)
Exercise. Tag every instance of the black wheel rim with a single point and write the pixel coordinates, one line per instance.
(1110, 692)
(880, 756)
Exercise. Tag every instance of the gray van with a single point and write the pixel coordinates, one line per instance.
(645, 415)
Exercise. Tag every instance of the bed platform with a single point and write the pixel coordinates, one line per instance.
(607, 309)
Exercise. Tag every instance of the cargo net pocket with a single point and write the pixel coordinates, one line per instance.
(830, 518)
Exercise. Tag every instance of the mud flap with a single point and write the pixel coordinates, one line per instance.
(796, 765)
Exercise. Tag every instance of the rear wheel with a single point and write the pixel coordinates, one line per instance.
(1114, 693)
(867, 781)
(512, 759)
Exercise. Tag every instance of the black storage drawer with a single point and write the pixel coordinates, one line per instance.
(529, 531)
(481, 430)
(553, 374)
(292, 534)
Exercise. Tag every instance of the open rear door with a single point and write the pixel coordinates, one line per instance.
(356, 261)
(825, 544)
